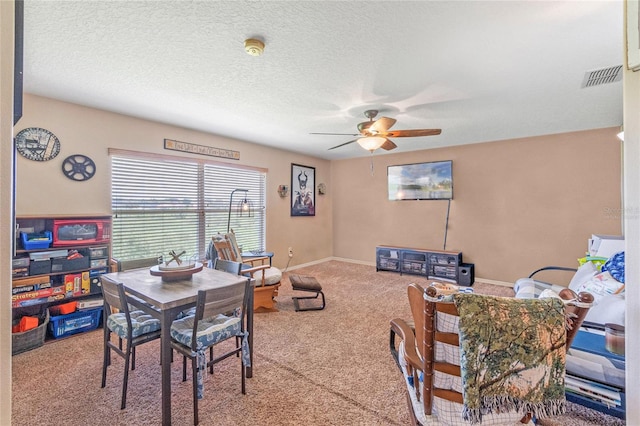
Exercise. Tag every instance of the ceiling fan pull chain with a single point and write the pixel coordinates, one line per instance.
(371, 163)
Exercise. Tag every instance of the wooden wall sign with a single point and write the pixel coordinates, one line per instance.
(201, 149)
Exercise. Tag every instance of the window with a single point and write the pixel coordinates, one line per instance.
(163, 203)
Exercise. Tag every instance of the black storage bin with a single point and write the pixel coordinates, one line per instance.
(62, 264)
(40, 267)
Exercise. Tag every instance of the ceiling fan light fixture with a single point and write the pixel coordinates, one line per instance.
(253, 47)
(371, 143)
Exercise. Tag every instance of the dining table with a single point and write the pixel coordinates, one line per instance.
(164, 299)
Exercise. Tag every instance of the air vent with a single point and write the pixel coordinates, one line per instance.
(602, 76)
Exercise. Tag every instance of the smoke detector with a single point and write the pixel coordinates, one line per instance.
(253, 47)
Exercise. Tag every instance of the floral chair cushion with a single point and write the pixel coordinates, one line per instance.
(210, 331)
(141, 323)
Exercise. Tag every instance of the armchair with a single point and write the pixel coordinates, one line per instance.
(450, 330)
(266, 276)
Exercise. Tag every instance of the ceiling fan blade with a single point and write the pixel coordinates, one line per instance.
(381, 125)
(412, 133)
(339, 134)
(343, 144)
(388, 145)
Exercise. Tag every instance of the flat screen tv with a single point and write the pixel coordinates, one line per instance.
(421, 181)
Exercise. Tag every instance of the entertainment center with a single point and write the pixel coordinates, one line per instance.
(437, 264)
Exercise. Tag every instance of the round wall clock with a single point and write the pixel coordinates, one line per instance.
(78, 167)
(37, 144)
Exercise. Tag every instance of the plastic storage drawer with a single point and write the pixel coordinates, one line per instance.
(77, 322)
(35, 241)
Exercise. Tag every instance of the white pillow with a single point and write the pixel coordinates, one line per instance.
(585, 272)
(601, 285)
(610, 309)
(549, 293)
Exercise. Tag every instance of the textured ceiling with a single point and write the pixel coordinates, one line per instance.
(480, 71)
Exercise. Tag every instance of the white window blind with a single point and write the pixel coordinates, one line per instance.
(162, 204)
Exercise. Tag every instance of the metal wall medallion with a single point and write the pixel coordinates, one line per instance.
(37, 144)
(78, 167)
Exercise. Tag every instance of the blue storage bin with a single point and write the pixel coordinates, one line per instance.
(76, 322)
(40, 243)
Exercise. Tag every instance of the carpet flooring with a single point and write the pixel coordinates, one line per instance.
(329, 367)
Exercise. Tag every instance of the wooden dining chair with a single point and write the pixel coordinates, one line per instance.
(134, 328)
(227, 266)
(211, 324)
(429, 353)
(232, 268)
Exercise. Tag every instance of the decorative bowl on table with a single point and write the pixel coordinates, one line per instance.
(176, 272)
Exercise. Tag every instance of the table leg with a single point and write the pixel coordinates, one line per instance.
(250, 329)
(165, 343)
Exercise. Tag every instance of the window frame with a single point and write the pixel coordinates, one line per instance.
(208, 204)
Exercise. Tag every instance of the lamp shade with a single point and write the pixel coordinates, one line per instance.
(371, 143)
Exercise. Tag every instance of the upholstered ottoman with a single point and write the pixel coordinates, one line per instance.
(306, 283)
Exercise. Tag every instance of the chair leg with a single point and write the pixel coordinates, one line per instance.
(211, 359)
(194, 371)
(316, 308)
(125, 379)
(105, 357)
(133, 358)
(243, 372)
(184, 368)
(392, 347)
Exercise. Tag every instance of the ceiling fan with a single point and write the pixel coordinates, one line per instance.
(376, 134)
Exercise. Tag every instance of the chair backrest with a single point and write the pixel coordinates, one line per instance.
(227, 266)
(125, 265)
(221, 300)
(416, 303)
(224, 248)
(114, 298)
(231, 236)
(113, 294)
(433, 329)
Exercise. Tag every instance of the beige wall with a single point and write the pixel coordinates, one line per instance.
(6, 223)
(42, 188)
(518, 204)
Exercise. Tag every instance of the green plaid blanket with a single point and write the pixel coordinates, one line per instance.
(512, 355)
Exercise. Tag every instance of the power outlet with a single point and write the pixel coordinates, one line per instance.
(290, 251)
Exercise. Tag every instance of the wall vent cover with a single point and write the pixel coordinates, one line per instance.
(602, 76)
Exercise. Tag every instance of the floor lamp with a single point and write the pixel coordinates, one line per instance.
(243, 206)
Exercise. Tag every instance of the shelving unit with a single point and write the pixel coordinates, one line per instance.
(436, 264)
(59, 274)
(387, 259)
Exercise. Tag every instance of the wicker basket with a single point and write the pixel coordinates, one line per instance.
(30, 339)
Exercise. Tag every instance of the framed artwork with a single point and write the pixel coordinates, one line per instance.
(303, 196)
